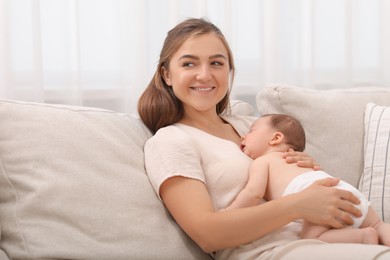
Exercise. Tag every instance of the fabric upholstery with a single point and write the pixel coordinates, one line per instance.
(333, 120)
(375, 180)
(73, 186)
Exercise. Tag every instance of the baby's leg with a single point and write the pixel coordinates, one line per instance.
(383, 229)
(310, 230)
(366, 235)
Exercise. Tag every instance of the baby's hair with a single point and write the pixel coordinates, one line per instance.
(291, 128)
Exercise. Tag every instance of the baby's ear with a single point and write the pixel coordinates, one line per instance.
(277, 138)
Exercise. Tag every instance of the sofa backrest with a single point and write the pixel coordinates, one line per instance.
(333, 120)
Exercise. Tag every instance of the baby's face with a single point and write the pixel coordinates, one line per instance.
(256, 142)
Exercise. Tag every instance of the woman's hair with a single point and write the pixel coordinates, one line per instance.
(158, 106)
(291, 128)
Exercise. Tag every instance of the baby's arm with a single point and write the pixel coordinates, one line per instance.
(256, 186)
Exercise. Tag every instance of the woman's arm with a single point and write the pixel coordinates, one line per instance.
(190, 204)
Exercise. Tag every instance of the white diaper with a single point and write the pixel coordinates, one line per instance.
(304, 180)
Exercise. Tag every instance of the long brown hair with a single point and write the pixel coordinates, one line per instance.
(158, 106)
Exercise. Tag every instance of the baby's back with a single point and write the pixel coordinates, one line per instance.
(280, 174)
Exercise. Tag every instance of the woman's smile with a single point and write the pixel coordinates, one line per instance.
(203, 88)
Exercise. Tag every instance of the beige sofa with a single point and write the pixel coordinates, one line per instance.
(73, 183)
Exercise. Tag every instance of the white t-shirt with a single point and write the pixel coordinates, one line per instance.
(181, 150)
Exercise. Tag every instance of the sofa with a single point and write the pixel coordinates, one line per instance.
(73, 183)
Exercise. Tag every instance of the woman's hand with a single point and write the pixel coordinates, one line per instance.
(301, 159)
(322, 204)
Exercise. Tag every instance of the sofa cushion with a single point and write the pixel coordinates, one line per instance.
(73, 186)
(333, 120)
(241, 108)
(375, 180)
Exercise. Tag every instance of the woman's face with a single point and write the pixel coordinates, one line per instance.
(199, 73)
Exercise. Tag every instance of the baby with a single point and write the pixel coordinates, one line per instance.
(272, 177)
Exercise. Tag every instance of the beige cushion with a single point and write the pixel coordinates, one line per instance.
(73, 185)
(375, 180)
(241, 108)
(333, 120)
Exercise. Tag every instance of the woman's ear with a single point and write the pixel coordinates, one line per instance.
(166, 76)
(277, 138)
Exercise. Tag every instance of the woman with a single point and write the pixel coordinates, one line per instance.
(194, 161)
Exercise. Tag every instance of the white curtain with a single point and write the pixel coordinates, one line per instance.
(103, 53)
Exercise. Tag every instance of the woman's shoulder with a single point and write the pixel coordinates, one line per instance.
(167, 130)
(174, 130)
(168, 134)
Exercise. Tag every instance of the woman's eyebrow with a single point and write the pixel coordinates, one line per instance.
(189, 56)
(218, 56)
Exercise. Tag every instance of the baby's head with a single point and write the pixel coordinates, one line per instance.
(273, 131)
(291, 128)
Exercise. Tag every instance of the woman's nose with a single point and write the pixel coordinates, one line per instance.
(204, 73)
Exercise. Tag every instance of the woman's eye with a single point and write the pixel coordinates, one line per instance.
(217, 63)
(188, 64)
